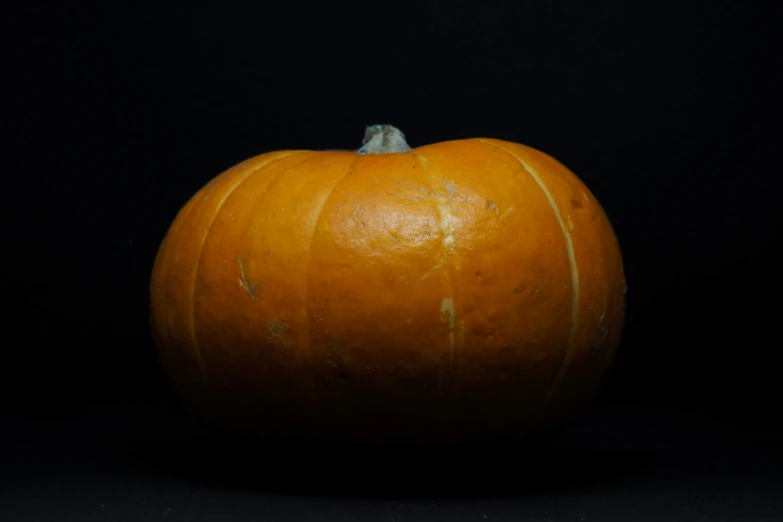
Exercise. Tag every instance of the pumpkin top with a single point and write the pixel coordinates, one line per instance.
(383, 139)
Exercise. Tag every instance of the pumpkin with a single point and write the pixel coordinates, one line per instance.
(468, 288)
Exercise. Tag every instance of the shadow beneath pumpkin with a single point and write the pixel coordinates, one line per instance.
(616, 451)
(550, 464)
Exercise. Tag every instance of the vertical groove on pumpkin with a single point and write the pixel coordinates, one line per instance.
(448, 309)
(163, 260)
(316, 221)
(194, 276)
(571, 261)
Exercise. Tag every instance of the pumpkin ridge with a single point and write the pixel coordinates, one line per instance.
(571, 261)
(448, 309)
(317, 220)
(218, 208)
(184, 213)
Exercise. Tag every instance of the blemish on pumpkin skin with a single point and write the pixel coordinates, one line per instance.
(450, 188)
(577, 204)
(447, 316)
(276, 331)
(445, 223)
(492, 206)
(250, 288)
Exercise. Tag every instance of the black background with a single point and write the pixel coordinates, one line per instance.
(669, 112)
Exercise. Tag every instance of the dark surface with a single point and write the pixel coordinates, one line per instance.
(114, 116)
(611, 465)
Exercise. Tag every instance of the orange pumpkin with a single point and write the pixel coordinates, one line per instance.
(465, 288)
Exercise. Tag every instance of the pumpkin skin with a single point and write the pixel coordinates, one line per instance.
(461, 289)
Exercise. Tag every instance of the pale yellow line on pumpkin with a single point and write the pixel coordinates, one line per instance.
(247, 175)
(571, 261)
(447, 308)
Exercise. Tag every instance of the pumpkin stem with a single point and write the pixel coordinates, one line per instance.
(383, 139)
